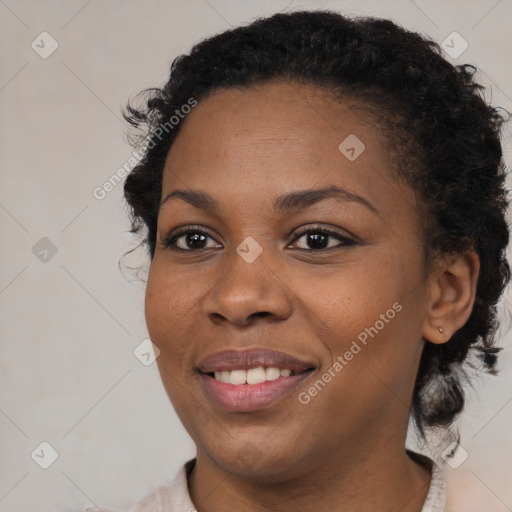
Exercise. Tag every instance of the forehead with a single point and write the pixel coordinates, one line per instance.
(277, 137)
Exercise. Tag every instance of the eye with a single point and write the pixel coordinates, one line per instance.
(189, 239)
(317, 239)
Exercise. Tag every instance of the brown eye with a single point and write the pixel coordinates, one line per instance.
(318, 239)
(188, 240)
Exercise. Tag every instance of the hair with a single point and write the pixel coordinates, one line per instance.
(443, 136)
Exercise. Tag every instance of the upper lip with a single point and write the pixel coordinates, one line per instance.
(228, 360)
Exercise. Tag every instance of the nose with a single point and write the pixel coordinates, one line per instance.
(246, 292)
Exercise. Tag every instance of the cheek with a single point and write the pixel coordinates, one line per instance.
(352, 297)
(369, 316)
(157, 307)
(175, 321)
(171, 301)
(170, 307)
(170, 310)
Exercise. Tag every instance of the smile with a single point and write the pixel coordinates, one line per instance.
(252, 376)
(248, 380)
(246, 397)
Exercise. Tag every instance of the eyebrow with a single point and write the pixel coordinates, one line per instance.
(294, 201)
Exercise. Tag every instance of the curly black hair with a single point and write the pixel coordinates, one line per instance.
(442, 134)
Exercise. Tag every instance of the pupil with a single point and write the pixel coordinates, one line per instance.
(194, 238)
(318, 240)
(315, 238)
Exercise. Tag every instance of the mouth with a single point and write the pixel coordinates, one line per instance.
(252, 376)
(248, 380)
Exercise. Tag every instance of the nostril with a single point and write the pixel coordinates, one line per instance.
(261, 313)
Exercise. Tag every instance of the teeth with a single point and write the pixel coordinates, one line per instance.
(256, 376)
(252, 376)
(238, 377)
(272, 373)
(224, 376)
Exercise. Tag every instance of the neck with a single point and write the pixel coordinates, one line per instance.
(375, 477)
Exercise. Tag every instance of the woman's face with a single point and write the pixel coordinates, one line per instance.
(344, 310)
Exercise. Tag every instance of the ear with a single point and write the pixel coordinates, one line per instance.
(452, 295)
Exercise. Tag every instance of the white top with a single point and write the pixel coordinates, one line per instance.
(174, 496)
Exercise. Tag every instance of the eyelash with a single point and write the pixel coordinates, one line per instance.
(169, 241)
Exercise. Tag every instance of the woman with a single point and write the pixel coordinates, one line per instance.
(323, 201)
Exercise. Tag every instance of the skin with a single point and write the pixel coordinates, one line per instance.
(344, 450)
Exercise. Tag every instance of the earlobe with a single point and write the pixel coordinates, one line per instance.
(453, 286)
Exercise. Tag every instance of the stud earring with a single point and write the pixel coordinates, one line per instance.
(441, 330)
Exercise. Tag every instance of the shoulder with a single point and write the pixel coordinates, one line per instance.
(102, 509)
(170, 497)
(148, 504)
(436, 497)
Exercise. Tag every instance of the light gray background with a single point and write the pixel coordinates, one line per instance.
(69, 325)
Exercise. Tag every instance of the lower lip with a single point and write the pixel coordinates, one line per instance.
(251, 397)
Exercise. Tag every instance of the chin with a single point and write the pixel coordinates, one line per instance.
(257, 459)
